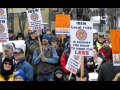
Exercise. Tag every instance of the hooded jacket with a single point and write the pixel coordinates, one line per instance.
(7, 75)
(55, 77)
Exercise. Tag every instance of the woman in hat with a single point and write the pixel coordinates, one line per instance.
(7, 70)
(20, 36)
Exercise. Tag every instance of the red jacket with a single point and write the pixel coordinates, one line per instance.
(106, 54)
(63, 63)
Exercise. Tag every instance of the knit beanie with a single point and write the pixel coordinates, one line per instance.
(106, 39)
(46, 37)
(19, 73)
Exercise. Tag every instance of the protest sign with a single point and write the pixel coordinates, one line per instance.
(73, 63)
(115, 42)
(81, 38)
(34, 19)
(62, 24)
(3, 31)
(3, 14)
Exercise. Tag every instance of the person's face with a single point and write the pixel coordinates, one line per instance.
(95, 53)
(18, 57)
(59, 36)
(106, 44)
(20, 38)
(59, 75)
(78, 78)
(7, 66)
(54, 45)
(48, 33)
(18, 78)
(95, 35)
(101, 39)
(45, 41)
(8, 53)
(33, 35)
(10, 34)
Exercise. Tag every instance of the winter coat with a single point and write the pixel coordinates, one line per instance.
(108, 71)
(105, 53)
(92, 67)
(26, 67)
(12, 38)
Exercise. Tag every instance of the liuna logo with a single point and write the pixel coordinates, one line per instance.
(81, 34)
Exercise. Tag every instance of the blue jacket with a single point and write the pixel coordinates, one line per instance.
(26, 67)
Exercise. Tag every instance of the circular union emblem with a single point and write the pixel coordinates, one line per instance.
(2, 28)
(81, 34)
(34, 16)
(76, 57)
(1, 12)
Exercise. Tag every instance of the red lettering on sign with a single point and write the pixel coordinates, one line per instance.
(82, 52)
(3, 41)
(72, 69)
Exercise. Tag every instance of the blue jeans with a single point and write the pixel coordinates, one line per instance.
(44, 77)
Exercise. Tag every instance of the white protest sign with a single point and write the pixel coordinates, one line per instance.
(73, 63)
(3, 13)
(18, 44)
(34, 19)
(3, 31)
(81, 38)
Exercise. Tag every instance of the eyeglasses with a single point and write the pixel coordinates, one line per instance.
(7, 63)
(101, 38)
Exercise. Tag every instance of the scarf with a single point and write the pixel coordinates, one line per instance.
(106, 48)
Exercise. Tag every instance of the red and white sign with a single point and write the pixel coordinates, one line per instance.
(81, 38)
(34, 19)
(73, 63)
(3, 31)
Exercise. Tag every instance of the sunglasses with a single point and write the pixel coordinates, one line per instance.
(7, 63)
(101, 37)
(48, 34)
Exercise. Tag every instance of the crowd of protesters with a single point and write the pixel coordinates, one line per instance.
(49, 65)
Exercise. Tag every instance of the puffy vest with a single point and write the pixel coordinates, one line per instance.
(43, 67)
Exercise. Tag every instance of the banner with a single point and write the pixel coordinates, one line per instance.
(3, 13)
(73, 63)
(18, 44)
(62, 24)
(81, 38)
(34, 19)
(115, 42)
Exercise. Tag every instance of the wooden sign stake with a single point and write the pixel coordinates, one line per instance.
(82, 68)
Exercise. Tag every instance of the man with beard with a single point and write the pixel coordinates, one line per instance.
(45, 61)
(99, 43)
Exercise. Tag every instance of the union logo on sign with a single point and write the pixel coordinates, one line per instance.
(81, 35)
(2, 28)
(34, 16)
(76, 57)
(1, 12)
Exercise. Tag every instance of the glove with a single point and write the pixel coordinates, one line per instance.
(44, 59)
(41, 55)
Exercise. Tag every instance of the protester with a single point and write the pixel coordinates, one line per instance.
(20, 36)
(45, 61)
(95, 36)
(59, 51)
(105, 50)
(11, 35)
(19, 76)
(99, 43)
(60, 44)
(21, 64)
(85, 77)
(47, 29)
(7, 69)
(58, 74)
(108, 71)
(30, 42)
(95, 62)
(50, 35)
(9, 52)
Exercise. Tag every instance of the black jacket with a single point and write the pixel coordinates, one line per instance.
(92, 67)
(108, 71)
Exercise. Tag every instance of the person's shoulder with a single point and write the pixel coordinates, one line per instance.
(26, 64)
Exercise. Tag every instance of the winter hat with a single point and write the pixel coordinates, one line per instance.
(58, 71)
(46, 37)
(19, 73)
(106, 39)
(20, 35)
